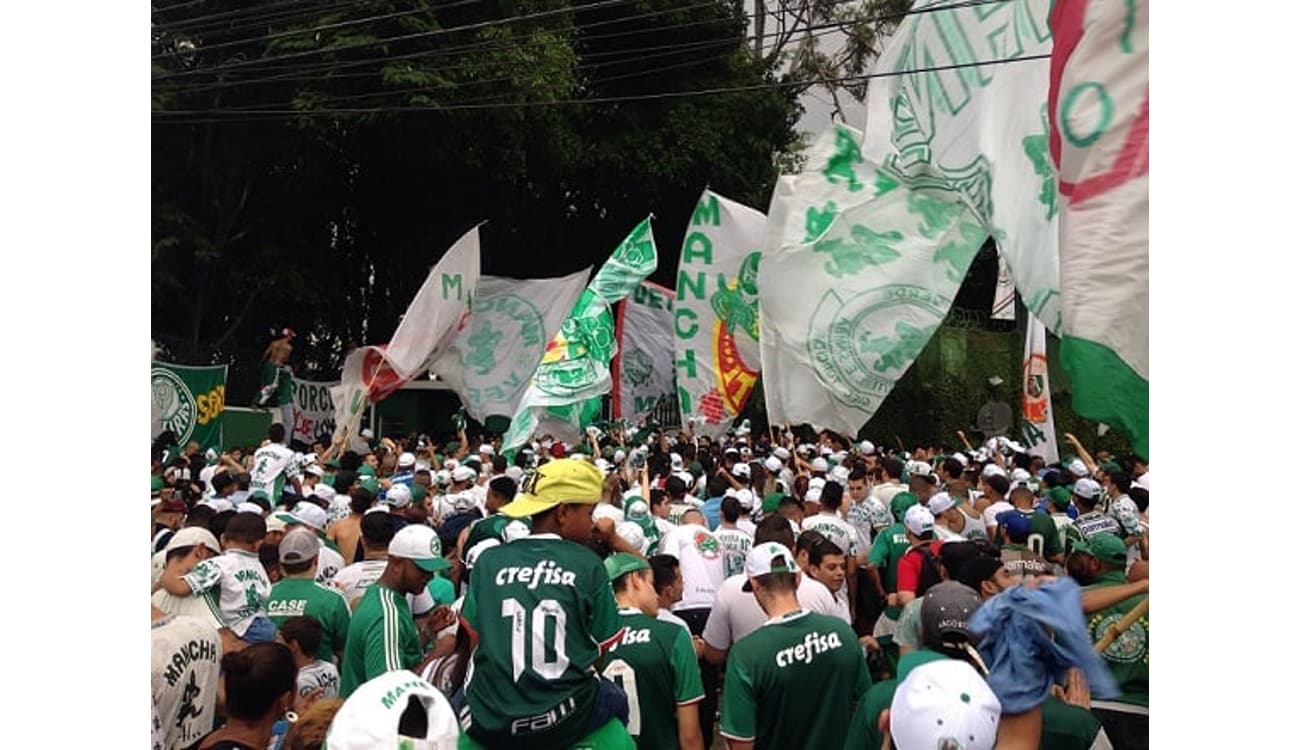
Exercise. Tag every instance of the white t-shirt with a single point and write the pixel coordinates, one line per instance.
(185, 668)
(700, 554)
(234, 584)
(840, 600)
(735, 546)
(186, 606)
(885, 491)
(991, 512)
(735, 614)
(354, 579)
(815, 597)
(272, 465)
(746, 525)
(837, 530)
(319, 674)
(328, 564)
(667, 616)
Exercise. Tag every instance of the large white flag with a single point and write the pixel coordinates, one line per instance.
(865, 249)
(1100, 101)
(643, 368)
(490, 362)
(1037, 427)
(564, 393)
(1004, 296)
(717, 313)
(431, 322)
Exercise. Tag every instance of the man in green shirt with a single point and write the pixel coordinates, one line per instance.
(1043, 535)
(542, 612)
(383, 635)
(654, 662)
(882, 564)
(1100, 564)
(795, 681)
(298, 594)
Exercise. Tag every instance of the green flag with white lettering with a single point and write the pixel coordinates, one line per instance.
(563, 396)
(190, 402)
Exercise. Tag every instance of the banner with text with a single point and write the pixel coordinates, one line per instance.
(643, 369)
(716, 315)
(313, 411)
(190, 402)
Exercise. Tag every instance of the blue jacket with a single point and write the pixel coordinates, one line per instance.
(712, 510)
(1024, 660)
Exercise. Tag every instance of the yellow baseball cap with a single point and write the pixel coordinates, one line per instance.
(564, 480)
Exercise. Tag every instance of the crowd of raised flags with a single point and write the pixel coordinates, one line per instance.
(581, 583)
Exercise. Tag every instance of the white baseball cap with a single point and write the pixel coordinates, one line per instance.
(515, 472)
(919, 520)
(1087, 488)
(463, 474)
(487, 450)
(840, 475)
(420, 545)
(406, 460)
(619, 455)
(867, 447)
(960, 458)
(192, 535)
(1078, 468)
(368, 434)
(813, 495)
(768, 557)
(676, 459)
(249, 508)
(1020, 475)
(324, 492)
(398, 496)
(372, 715)
(772, 464)
(740, 470)
(631, 533)
(219, 504)
(745, 498)
(944, 703)
(1144, 481)
(781, 452)
(992, 470)
(820, 464)
(307, 514)
(299, 545)
(315, 470)
(605, 510)
(940, 502)
(273, 523)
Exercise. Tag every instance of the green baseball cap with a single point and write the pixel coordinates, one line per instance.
(418, 492)
(901, 502)
(772, 501)
(637, 510)
(1104, 546)
(157, 484)
(696, 468)
(369, 483)
(620, 564)
(1059, 497)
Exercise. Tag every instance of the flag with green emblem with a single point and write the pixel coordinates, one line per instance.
(563, 395)
(865, 249)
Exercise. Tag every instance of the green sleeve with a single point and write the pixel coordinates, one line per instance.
(468, 608)
(1072, 535)
(738, 719)
(880, 549)
(1051, 539)
(605, 623)
(382, 655)
(857, 739)
(687, 686)
(204, 576)
(864, 732)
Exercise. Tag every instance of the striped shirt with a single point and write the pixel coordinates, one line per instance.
(381, 638)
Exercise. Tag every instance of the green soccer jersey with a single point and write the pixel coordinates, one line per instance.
(794, 683)
(1127, 655)
(1043, 535)
(889, 547)
(381, 638)
(294, 597)
(543, 610)
(655, 665)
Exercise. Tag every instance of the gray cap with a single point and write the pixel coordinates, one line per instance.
(946, 610)
(299, 545)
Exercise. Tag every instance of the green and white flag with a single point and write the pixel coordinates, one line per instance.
(563, 395)
(717, 313)
(865, 249)
(643, 368)
(1100, 102)
(491, 360)
(190, 401)
(1037, 427)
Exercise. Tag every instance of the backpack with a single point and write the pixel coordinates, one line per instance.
(930, 574)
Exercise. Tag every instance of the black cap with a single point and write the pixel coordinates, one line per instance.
(946, 610)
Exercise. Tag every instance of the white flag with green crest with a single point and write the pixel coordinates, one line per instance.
(510, 322)
(563, 395)
(866, 248)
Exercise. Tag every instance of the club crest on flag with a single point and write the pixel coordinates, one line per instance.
(177, 410)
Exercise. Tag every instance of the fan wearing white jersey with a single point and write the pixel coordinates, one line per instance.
(829, 523)
(273, 465)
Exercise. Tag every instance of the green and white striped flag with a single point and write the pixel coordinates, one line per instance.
(563, 395)
(1100, 103)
